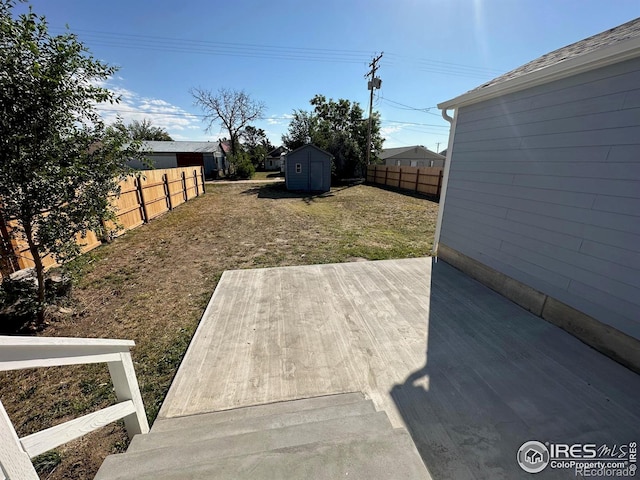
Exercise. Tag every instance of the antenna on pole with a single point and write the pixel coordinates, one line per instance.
(374, 82)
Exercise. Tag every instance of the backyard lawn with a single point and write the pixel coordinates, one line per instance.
(152, 284)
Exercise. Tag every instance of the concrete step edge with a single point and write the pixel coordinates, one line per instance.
(191, 434)
(261, 441)
(252, 411)
(380, 455)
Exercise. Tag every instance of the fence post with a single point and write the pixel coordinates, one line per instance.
(167, 192)
(196, 183)
(386, 174)
(400, 178)
(202, 178)
(184, 186)
(417, 179)
(145, 214)
(438, 191)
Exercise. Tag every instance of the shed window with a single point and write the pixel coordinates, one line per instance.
(397, 163)
(298, 168)
(414, 163)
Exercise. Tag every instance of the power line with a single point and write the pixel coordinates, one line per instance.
(407, 107)
(416, 123)
(173, 114)
(249, 50)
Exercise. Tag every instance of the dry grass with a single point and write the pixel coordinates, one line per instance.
(152, 285)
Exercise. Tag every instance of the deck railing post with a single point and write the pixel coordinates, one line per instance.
(15, 463)
(125, 383)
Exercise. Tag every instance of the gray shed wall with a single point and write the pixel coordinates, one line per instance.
(544, 187)
(304, 157)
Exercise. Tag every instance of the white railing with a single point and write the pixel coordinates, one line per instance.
(17, 353)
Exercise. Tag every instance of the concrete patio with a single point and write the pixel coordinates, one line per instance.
(471, 375)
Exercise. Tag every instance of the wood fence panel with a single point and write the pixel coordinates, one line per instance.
(141, 199)
(426, 180)
(128, 206)
(193, 186)
(153, 193)
(25, 259)
(174, 182)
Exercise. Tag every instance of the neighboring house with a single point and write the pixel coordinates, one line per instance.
(182, 154)
(542, 188)
(308, 169)
(273, 160)
(414, 156)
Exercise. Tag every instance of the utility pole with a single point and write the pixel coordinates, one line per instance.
(437, 147)
(374, 82)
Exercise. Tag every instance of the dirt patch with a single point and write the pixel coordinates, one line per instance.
(152, 285)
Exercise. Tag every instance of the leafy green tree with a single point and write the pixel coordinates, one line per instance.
(256, 144)
(58, 162)
(144, 130)
(339, 128)
(302, 128)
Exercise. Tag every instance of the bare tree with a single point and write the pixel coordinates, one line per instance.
(234, 109)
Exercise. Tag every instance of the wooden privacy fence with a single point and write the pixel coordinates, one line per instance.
(141, 200)
(426, 180)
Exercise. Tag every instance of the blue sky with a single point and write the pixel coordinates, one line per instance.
(283, 52)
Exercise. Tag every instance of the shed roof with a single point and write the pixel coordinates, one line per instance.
(392, 152)
(180, 147)
(611, 46)
(309, 145)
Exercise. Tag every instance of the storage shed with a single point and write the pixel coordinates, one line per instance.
(541, 193)
(308, 169)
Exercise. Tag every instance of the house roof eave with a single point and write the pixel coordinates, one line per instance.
(620, 52)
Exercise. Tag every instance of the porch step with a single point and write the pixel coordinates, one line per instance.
(347, 440)
(276, 408)
(210, 428)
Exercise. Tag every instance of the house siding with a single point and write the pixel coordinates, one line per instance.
(544, 186)
(420, 157)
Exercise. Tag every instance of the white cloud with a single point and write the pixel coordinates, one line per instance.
(391, 129)
(133, 106)
(279, 119)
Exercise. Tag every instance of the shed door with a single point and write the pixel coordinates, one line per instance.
(316, 176)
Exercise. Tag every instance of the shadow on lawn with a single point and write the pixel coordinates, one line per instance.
(279, 191)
